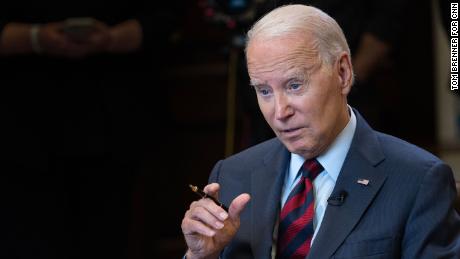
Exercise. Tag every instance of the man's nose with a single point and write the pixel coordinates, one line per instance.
(283, 109)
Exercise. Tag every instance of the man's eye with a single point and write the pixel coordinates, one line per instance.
(294, 86)
(264, 91)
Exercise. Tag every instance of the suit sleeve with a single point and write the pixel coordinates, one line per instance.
(433, 227)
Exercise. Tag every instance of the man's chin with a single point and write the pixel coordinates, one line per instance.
(300, 148)
(294, 146)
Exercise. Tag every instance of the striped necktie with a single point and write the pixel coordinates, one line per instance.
(295, 229)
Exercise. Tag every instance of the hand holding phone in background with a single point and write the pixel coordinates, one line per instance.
(91, 35)
(72, 38)
(79, 29)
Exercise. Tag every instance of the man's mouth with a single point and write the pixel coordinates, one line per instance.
(291, 132)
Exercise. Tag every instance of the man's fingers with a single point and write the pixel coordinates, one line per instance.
(212, 189)
(193, 227)
(204, 215)
(237, 205)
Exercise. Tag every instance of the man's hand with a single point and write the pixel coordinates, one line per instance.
(98, 40)
(208, 228)
(54, 41)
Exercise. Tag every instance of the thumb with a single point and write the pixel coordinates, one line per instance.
(237, 205)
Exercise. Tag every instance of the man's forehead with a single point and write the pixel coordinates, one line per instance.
(297, 73)
(289, 57)
(284, 67)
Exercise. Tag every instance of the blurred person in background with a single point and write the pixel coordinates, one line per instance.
(78, 112)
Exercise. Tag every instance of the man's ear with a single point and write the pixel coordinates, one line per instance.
(345, 72)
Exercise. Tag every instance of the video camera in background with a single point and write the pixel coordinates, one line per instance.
(233, 14)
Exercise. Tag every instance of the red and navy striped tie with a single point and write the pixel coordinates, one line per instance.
(295, 229)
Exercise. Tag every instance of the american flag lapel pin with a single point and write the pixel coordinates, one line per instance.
(364, 182)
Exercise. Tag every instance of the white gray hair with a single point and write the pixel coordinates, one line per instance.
(327, 38)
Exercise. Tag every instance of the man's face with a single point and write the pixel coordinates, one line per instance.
(302, 101)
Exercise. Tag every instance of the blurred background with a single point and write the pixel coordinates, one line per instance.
(110, 109)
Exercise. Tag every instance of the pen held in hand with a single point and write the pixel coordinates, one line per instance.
(204, 195)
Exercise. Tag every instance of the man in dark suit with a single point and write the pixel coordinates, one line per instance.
(328, 186)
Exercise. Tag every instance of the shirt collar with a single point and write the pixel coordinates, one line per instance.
(332, 159)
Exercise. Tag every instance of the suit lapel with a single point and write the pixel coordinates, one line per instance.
(267, 182)
(363, 157)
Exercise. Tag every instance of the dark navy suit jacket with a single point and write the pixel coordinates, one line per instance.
(404, 212)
